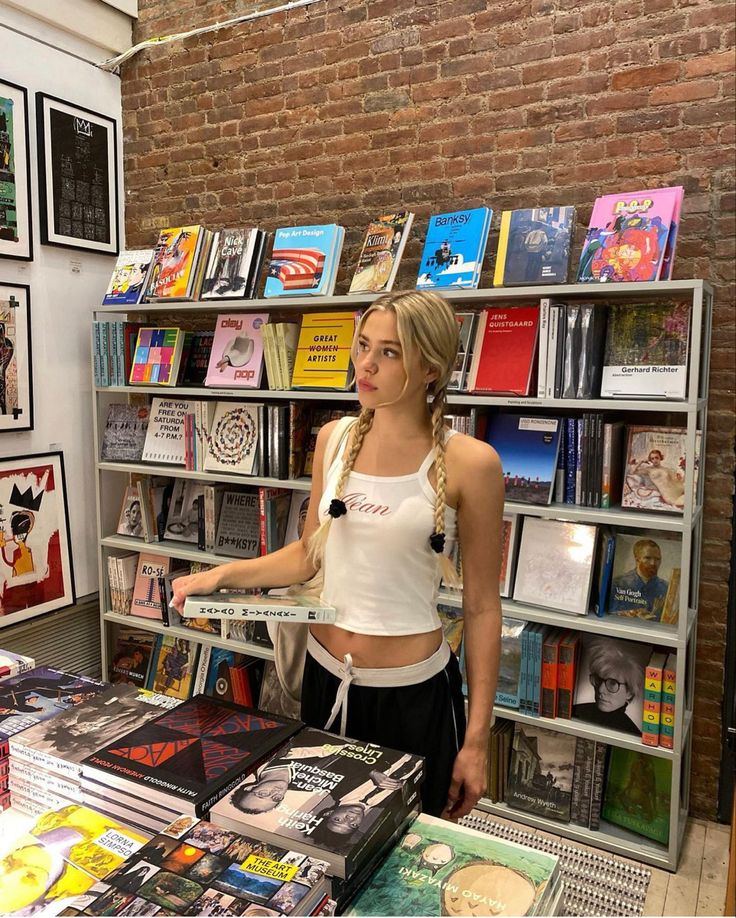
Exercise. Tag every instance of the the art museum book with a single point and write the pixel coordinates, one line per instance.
(306, 795)
(383, 246)
(179, 262)
(528, 448)
(232, 605)
(454, 249)
(129, 278)
(304, 261)
(534, 246)
(189, 757)
(60, 744)
(646, 351)
(236, 358)
(231, 263)
(541, 772)
(193, 867)
(439, 868)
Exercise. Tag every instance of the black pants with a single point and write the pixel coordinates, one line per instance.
(425, 719)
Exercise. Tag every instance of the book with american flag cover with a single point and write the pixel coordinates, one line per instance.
(304, 260)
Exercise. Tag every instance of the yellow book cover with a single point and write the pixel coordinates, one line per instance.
(174, 262)
(503, 242)
(323, 352)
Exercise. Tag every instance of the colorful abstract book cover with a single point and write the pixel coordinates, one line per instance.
(302, 260)
(454, 249)
(229, 264)
(39, 694)
(174, 262)
(236, 357)
(382, 248)
(527, 447)
(233, 439)
(637, 795)
(627, 236)
(534, 246)
(157, 356)
(443, 869)
(323, 352)
(128, 282)
(194, 752)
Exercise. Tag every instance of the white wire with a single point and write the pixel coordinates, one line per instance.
(114, 62)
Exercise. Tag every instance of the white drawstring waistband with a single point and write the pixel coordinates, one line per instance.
(382, 677)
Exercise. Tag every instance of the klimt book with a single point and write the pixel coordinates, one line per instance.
(304, 260)
(379, 258)
(129, 278)
(254, 607)
(236, 358)
(504, 351)
(534, 246)
(323, 352)
(454, 249)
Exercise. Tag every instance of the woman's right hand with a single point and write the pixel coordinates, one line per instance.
(194, 585)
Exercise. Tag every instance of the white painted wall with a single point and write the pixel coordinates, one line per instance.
(62, 298)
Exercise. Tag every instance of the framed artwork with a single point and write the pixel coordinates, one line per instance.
(16, 375)
(77, 176)
(15, 174)
(36, 573)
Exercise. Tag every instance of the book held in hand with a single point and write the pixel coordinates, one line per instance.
(253, 607)
(534, 246)
(379, 258)
(454, 249)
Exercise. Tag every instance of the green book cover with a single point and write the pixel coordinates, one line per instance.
(638, 793)
(439, 868)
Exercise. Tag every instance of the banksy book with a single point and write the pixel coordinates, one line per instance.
(190, 756)
(454, 249)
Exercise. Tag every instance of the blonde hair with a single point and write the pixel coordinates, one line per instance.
(426, 324)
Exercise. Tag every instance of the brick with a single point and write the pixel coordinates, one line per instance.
(646, 76)
(684, 92)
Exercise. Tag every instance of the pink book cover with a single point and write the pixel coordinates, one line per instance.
(146, 597)
(627, 236)
(236, 358)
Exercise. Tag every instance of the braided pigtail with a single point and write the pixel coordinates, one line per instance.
(316, 548)
(437, 539)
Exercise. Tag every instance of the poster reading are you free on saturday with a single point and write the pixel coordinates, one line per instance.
(36, 573)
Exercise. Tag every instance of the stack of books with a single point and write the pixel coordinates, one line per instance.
(11, 664)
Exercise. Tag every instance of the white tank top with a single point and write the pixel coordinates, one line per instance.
(380, 571)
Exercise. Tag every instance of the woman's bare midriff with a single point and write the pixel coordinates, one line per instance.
(373, 651)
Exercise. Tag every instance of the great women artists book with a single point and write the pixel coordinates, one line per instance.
(251, 607)
(454, 249)
(327, 796)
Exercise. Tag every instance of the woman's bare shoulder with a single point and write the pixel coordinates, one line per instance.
(469, 455)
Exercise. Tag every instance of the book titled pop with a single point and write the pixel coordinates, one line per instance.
(236, 358)
(304, 260)
(257, 608)
(454, 249)
(323, 352)
(129, 278)
(379, 258)
(504, 350)
(157, 357)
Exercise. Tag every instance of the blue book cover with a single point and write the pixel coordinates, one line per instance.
(454, 249)
(129, 278)
(527, 447)
(304, 260)
(509, 671)
(534, 246)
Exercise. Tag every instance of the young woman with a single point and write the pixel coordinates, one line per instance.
(401, 489)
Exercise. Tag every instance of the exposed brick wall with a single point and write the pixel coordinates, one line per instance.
(340, 109)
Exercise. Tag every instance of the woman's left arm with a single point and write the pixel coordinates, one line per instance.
(480, 528)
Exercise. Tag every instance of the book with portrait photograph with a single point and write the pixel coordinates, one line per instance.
(131, 656)
(541, 772)
(610, 683)
(182, 521)
(654, 475)
(555, 567)
(347, 795)
(130, 522)
(646, 577)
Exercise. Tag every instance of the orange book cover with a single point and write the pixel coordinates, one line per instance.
(566, 673)
(174, 262)
(550, 668)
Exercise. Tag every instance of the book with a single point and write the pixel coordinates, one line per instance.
(13, 664)
(646, 351)
(205, 747)
(195, 367)
(452, 625)
(237, 533)
(509, 670)
(383, 246)
(589, 361)
(182, 518)
(541, 772)
(439, 868)
(323, 352)
(652, 713)
(669, 695)
(534, 246)
(527, 447)
(129, 278)
(176, 263)
(466, 322)
(146, 601)
(555, 567)
(671, 245)
(643, 568)
(637, 793)
(298, 509)
(316, 773)
(157, 357)
(236, 358)
(226, 676)
(509, 540)
(173, 666)
(130, 521)
(233, 438)
(504, 350)
(125, 433)
(304, 261)
(164, 441)
(654, 476)
(131, 656)
(37, 694)
(454, 248)
(550, 669)
(627, 236)
(193, 867)
(230, 264)
(228, 605)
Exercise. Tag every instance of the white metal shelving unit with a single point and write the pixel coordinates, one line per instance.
(112, 477)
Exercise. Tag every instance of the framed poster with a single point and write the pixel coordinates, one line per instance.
(36, 573)
(16, 376)
(77, 176)
(15, 174)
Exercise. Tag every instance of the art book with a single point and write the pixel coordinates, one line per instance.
(38, 694)
(454, 249)
(509, 540)
(541, 772)
(466, 322)
(194, 867)
(131, 656)
(304, 261)
(654, 475)
(646, 351)
(528, 448)
(646, 577)
(173, 666)
(174, 270)
(232, 442)
(190, 757)
(164, 441)
(314, 784)
(627, 236)
(507, 689)
(182, 519)
(637, 795)
(146, 601)
(382, 249)
(157, 357)
(231, 263)
(130, 522)
(125, 433)
(236, 358)
(256, 607)
(504, 350)
(129, 278)
(13, 664)
(323, 351)
(534, 246)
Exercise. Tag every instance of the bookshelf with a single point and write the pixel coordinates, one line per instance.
(112, 477)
